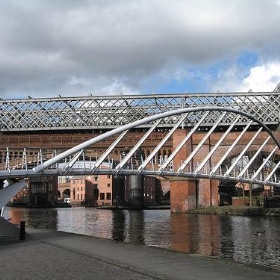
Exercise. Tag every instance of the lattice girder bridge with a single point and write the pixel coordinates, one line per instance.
(109, 112)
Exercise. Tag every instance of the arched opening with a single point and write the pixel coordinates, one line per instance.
(66, 193)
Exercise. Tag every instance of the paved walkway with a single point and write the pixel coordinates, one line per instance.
(56, 255)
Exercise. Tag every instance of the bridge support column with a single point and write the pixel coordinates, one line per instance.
(136, 192)
(183, 195)
(183, 191)
(208, 192)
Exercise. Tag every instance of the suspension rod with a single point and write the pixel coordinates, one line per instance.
(253, 158)
(108, 151)
(134, 149)
(229, 150)
(215, 147)
(178, 148)
(192, 154)
(157, 148)
(243, 152)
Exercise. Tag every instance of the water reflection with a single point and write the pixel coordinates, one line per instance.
(245, 239)
(118, 228)
(226, 241)
(136, 227)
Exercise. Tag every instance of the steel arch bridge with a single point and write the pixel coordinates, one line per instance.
(236, 159)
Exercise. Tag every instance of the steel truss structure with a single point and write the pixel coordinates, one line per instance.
(108, 112)
(251, 162)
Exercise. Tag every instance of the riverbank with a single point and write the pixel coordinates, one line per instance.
(150, 207)
(238, 211)
(49, 254)
(219, 210)
(53, 205)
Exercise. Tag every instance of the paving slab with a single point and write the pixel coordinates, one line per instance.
(54, 255)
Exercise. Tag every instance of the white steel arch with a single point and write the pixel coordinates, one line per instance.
(123, 128)
(264, 173)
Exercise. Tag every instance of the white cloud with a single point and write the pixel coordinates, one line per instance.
(263, 78)
(77, 47)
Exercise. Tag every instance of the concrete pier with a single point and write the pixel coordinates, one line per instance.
(135, 198)
(62, 256)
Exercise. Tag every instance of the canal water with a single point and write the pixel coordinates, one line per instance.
(254, 240)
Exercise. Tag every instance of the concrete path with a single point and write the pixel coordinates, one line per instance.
(56, 255)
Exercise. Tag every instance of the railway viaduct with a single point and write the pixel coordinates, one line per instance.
(56, 124)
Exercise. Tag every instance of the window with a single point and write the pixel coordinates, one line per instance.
(108, 185)
(39, 188)
(102, 196)
(108, 196)
(108, 176)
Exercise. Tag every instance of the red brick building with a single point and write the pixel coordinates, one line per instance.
(90, 190)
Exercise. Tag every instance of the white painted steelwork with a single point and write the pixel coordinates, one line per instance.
(74, 161)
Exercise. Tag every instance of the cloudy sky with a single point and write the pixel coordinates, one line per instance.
(105, 47)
